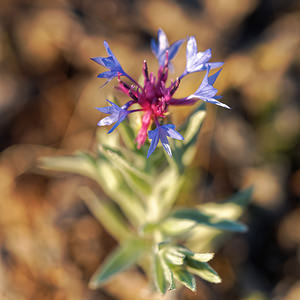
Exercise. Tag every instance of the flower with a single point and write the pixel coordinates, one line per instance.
(156, 94)
(197, 61)
(206, 91)
(110, 63)
(159, 49)
(117, 114)
(161, 133)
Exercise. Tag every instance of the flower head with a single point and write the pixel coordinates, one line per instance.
(161, 133)
(198, 61)
(159, 49)
(156, 94)
(116, 114)
(110, 63)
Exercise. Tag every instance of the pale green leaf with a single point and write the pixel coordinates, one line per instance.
(202, 257)
(202, 239)
(163, 276)
(203, 270)
(173, 256)
(122, 258)
(81, 164)
(107, 214)
(137, 179)
(207, 220)
(185, 277)
(175, 227)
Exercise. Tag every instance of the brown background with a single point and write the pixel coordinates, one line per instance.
(49, 243)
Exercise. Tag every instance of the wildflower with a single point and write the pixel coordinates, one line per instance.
(161, 133)
(197, 61)
(159, 49)
(206, 91)
(117, 114)
(155, 95)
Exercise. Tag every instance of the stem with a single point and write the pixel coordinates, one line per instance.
(156, 122)
(183, 74)
(134, 110)
(130, 78)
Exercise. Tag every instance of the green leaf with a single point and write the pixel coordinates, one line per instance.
(202, 257)
(173, 256)
(176, 227)
(114, 185)
(203, 270)
(163, 276)
(134, 177)
(127, 134)
(121, 259)
(207, 220)
(81, 163)
(107, 214)
(193, 124)
(241, 198)
(204, 238)
(185, 277)
(186, 150)
(231, 208)
(165, 190)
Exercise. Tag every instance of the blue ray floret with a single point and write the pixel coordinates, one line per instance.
(161, 133)
(110, 63)
(197, 61)
(207, 92)
(117, 114)
(159, 49)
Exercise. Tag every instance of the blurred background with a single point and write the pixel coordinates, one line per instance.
(49, 242)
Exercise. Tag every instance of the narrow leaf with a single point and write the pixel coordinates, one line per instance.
(207, 220)
(107, 214)
(203, 270)
(121, 259)
(202, 257)
(186, 278)
(163, 276)
(174, 257)
(134, 177)
(76, 164)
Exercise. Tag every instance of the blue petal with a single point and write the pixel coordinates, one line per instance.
(196, 62)
(214, 101)
(122, 115)
(106, 110)
(165, 143)
(214, 65)
(203, 57)
(154, 142)
(174, 48)
(114, 105)
(211, 79)
(163, 43)
(159, 49)
(108, 120)
(174, 134)
(109, 52)
(191, 47)
(108, 74)
(152, 133)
